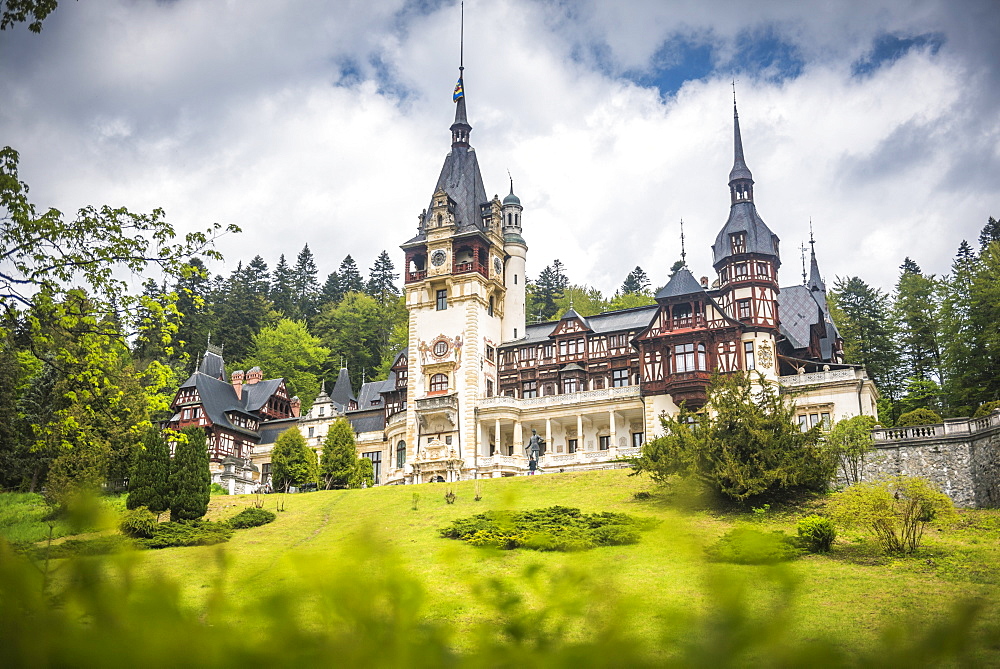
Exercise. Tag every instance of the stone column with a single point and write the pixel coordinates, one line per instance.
(581, 443)
(518, 438)
(548, 432)
(496, 437)
(614, 431)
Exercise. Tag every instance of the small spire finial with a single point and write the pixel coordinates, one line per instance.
(511, 182)
(734, 93)
(461, 41)
(802, 248)
(683, 252)
(812, 242)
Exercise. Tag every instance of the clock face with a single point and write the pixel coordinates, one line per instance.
(497, 265)
(438, 258)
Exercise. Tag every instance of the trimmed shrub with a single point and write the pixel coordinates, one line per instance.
(195, 533)
(557, 528)
(918, 417)
(138, 523)
(217, 489)
(816, 533)
(745, 545)
(252, 517)
(986, 408)
(112, 543)
(189, 476)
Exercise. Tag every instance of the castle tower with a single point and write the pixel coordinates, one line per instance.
(456, 298)
(746, 258)
(514, 318)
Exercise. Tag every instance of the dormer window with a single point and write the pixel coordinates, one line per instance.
(739, 241)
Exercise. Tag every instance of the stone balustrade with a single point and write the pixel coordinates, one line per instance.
(621, 393)
(953, 427)
(813, 378)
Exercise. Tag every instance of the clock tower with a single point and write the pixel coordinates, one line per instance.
(457, 294)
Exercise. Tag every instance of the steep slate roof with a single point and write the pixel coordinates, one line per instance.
(635, 318)
(572, 315)
(342, 392)
(797, 313)
(681, 283)
(212, 365)
(217, 398)
(367, 421)
(270, 430)
(370, 392)
(743, 217)
(255, 395)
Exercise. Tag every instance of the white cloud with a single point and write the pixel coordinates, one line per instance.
(232, 113)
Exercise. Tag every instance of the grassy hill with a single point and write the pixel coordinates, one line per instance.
(380, 549)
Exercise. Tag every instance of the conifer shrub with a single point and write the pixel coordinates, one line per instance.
(986, 408)
(556, 528)
(252, 517)
(149, 486)
(139, 523)
(192, 533)
(190, 478)
(746, 545)
(816, 533)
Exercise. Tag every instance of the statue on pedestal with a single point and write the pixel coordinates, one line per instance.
(535, 447)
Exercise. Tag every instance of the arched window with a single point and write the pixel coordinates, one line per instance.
(439, 383)
(400, 454)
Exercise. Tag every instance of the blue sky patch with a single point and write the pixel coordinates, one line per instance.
(676, 61)
(888, 48)
(765, 54)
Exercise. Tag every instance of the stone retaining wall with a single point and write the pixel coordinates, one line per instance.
(961, 456)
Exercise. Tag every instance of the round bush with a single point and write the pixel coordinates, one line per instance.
(816, 533)
(918, 417)
(138, 523)
(252, 517)
(986, 408)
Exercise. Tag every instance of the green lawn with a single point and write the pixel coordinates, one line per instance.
(652, 589)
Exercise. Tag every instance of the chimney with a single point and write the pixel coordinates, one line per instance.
(236, 378)
(296, 406)
(704, 282)
(255, 375)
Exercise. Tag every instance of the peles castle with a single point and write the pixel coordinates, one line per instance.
(476, 380)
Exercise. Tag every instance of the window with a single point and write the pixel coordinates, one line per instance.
(739, 240)
(549, 388)
(322, 411)
(441, 348)
(489, 387)
(743, 309)
(490, 353)
(529, 389)
(740, 271)
(549, 350)
(400, 454)
(597, 383)
(684, 358)
(604, 442)
(376, 458)
(571, 444)
(439, 383)
(312, 432)
(442, 300)
(619, 378)
(637, 439)
(748, 355)
(571, 347)
(813, 419)
(571, 385)
(803, 422)
(528, 353)
(489, 311)
(824, 419)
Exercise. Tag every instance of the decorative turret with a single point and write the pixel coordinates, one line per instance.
(515, 315)
(745, 250)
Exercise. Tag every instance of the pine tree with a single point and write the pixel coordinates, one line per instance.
(258, 278)
(544, 292)
(862, 314)
(331, 293)
(194, 302)
(190, 479)
(305, 288)
(958, 337)
(339, 462)
(916, 309)
(676, 267)
(281, 288)
(150, 484)
(989, 234)
(636, 282)
(293, 463)
(382, 279)
(350, 276)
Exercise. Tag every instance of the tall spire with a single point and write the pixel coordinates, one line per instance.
(740, 178)
(815, 279)
(460, 129)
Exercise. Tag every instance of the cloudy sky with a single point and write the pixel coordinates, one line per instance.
(327, 122)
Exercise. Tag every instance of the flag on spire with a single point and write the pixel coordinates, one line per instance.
(459, 91)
